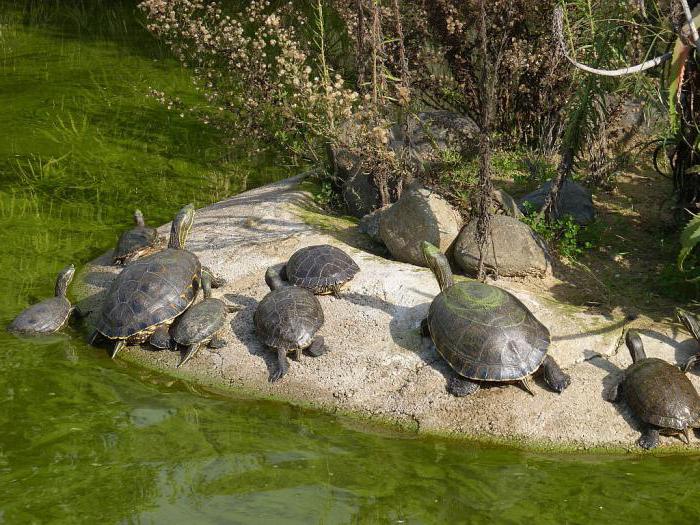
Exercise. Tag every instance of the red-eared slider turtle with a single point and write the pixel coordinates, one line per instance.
(153, 290)
(485, 333)
(201, 323)
(135, 242)
(322, 269)
(50, 315)
(691, 324)
(287, 320)
(658, 393)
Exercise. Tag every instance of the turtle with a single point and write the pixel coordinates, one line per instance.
(151, 291)
(321, 268)
(659, 394)
(485, 333)
(135, 242)
(201, 323)
(286, 320)
(691, 324)
(50, 315)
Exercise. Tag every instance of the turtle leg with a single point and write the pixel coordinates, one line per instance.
(217, 342)
(189, 353)
(613, 393)
(461, 387)
(425, 328)
(691, 362)
(526, 383)
(650, 438)
(555, 376)
(117, 347)
(282, 366)
(93, 337)
(216, 280)
(685, 433)
(318, 347)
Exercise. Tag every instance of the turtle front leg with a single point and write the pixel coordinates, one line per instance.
(691, 362)
(217, 342)
(555, 376)
(461, 387)
(318, 347)
(189, 353)
(117, 347)
(650, 438)
(282, 366)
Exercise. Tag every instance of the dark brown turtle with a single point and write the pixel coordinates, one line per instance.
(50, 315)
(658, 393)
(151, 291)
(135, 242)
(691, 324)
(485, 333)
(287, 320)
(202, 323)
(322, 269)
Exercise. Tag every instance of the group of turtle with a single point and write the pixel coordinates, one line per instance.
(483, 332)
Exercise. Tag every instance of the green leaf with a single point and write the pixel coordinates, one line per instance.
(690, 237)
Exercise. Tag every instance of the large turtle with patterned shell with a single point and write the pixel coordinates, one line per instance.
(322, 269)
(152, 291)
(485, 333)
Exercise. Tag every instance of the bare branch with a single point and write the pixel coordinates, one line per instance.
(691, 23)
(559, 35)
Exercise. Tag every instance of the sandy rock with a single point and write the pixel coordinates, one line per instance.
(419, 215)
(379, 366)
(574, 200)
(518, 251)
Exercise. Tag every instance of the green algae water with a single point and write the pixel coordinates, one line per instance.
(87, 440)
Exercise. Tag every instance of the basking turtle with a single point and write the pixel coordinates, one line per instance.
(485, 333)
(691, 324)
(50, 315)
(658, 393)
(286, 320)
(322, 269)
(153, 290)
(201, 323)
(135, 242)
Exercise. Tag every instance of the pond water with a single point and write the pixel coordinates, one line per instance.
(87, 440)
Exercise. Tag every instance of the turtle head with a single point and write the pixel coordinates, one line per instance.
(206, 282)
(182, 224)
(64, 278)
(689, 321)
(635, 346)
(438, 263)
(275, 276)
(138, 218)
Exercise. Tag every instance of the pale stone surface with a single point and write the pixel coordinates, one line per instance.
(378, 365)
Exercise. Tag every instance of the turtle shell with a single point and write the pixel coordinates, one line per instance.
(134, 241)
(45, 317)
(660, 394)
(199, 322)
(485, 333)
(288, 318)
(322, 268)
(148, 292)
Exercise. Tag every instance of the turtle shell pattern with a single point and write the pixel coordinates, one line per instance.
(148, 292)
(320, 268)
(485, 333)
(45, 317)
(135, 239)
(288, 318)
(660, 394)
(200, 322)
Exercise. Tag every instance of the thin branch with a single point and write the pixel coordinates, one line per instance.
(691, 23)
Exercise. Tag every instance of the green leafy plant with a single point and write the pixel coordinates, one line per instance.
(565, 235)
(690, 237)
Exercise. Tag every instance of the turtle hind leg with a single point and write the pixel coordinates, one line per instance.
(318, 347)
(462, 387)
(650, 438)
(217, 342)
(555, 376)
(691, 362)
(282, 366)
(189, 353)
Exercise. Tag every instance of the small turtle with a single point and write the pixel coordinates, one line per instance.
(691, 324)
(50, 315)
(151, 291)
(201, 323)
(485, 333)
(135, 242)
(322, 269)
(286, 320)
(658, 393)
